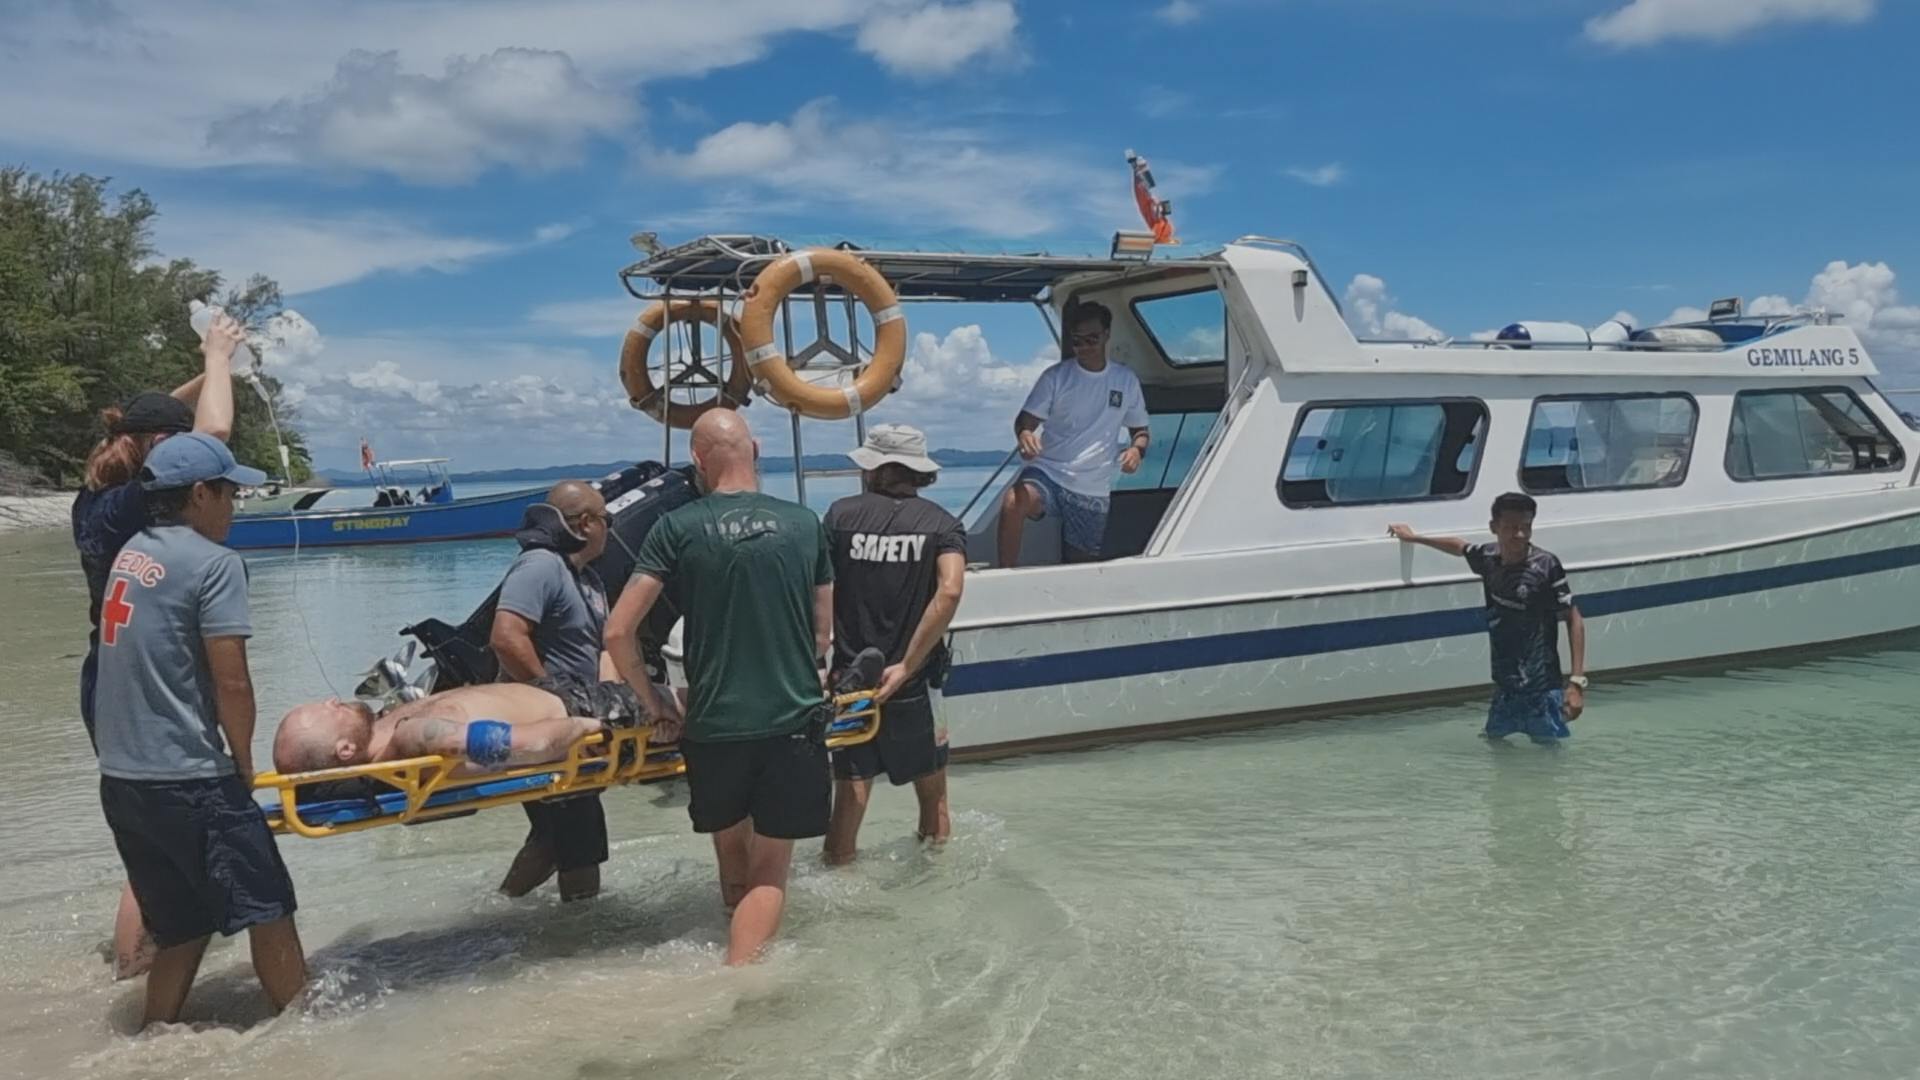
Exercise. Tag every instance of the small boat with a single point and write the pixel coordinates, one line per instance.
(395, 513)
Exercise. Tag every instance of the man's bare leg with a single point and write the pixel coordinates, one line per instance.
(1020, 503)
(278, 960)
(579, 883)
(732, 850)
(843, 830)
(935, 823)
(531, 868)
(133, 947)
(169, 979)
(757, 917)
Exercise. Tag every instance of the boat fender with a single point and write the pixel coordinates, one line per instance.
(656, 401)
(823, 267)
(489, 742)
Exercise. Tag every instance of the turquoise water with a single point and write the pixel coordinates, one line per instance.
(1717, 878)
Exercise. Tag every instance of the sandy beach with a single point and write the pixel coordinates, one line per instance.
(19, 512)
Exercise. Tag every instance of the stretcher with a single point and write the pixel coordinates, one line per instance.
(426, 789)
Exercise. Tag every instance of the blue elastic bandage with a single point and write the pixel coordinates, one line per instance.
(489, 742)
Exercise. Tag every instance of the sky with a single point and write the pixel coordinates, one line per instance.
(445, 188)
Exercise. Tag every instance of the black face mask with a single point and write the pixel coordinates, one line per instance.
(545, 527)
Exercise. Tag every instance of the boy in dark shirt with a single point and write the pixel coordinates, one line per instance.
(1527, 598)
(899, 563)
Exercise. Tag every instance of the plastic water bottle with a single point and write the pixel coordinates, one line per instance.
(201, 315)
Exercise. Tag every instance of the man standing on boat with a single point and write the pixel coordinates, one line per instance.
(899, 564)
(547, 630)
(753, 579)
(1069, 430)
(1527, 598)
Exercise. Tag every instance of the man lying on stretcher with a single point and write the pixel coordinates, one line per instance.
(492, 726)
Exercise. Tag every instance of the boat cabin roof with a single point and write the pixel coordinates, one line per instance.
(401, 463)
(730, 263)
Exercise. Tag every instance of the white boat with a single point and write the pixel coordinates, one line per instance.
(1729, 487)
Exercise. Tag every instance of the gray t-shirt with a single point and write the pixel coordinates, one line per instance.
(170, 589)
(569, 613)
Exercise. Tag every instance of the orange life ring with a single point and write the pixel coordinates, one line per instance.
(655, 401)
(849, 272)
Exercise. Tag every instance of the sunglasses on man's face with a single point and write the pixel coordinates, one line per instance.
(592, 515)
(1089, 339)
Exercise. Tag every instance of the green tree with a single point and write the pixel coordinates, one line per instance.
(90, 315)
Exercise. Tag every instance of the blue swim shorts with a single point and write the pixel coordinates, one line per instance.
(1083, 518)
(1540, 715)
(489, 742)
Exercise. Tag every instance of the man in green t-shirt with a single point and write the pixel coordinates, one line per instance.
(753, 580)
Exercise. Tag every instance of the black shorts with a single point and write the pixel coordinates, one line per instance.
(911, 744)
(781, 782)
(574, 829)
(198, 854)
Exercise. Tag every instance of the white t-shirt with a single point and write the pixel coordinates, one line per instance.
(1085, 416)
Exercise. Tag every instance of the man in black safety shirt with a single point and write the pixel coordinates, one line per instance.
(899, 562)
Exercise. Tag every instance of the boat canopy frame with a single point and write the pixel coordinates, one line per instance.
(724, 266)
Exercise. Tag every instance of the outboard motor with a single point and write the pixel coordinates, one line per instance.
(637, 497)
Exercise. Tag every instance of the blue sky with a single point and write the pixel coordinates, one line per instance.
(446, 188)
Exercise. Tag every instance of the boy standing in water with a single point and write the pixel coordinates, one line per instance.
(1527, 598)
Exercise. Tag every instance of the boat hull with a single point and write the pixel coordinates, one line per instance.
(464, 519)
(1054, 683)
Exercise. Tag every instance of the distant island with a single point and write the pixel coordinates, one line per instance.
(956, 459)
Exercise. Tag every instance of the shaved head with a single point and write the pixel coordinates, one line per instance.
(723, 451)
(575, 497)
(323, 735)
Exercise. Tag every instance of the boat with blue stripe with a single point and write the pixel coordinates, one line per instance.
(1719, 488)
(391, 512)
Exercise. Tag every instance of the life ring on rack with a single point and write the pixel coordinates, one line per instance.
(764, 359)
(657, 401)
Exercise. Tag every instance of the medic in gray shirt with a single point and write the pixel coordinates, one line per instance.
(174, 719)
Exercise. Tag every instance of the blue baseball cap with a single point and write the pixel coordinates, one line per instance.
(192, 457)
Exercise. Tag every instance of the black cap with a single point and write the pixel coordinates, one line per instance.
(153, 412)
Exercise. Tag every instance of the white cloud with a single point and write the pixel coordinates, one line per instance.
(1327, 175)
(1865, 295)
(525, 108)
(1178, 12)
(547, 234)
(159, 78)
(959, 177)
(305, 253)
(1371, 313)
(962, 395)
(1159, 102)
(938, 39)
(606, 317)
(1648, 22)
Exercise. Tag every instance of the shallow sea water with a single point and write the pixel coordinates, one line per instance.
(1716, 878)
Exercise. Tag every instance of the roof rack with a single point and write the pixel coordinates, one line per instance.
(729, 263)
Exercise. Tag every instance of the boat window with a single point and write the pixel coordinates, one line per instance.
(1171, 453)
(1811, 431)
(1608, 442)
(1383, 451)
(1189, 329)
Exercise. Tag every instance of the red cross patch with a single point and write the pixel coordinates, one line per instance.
(115, 612)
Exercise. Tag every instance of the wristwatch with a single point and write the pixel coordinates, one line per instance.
(1577, 681)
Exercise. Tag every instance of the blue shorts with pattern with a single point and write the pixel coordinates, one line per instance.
(1540, 715)
(1083, 518)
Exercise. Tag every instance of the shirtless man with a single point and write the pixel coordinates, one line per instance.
(493, 726)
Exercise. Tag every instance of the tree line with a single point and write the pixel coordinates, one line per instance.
(90, 314)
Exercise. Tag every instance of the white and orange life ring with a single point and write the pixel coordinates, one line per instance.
(826, 266)
(657, 401)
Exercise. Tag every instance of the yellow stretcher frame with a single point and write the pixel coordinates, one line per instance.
(595, 763)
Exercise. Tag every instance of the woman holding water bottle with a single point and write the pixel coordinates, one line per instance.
(111, 508)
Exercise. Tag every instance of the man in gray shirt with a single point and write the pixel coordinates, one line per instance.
(547, 630)
(174, 717)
